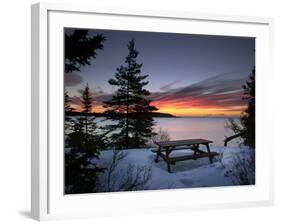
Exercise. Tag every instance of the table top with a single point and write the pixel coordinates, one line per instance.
(183, 142)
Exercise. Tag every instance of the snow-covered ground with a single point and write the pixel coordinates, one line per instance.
(185, 174)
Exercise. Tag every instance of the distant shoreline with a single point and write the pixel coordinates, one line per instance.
(153, 114)
(207, 116)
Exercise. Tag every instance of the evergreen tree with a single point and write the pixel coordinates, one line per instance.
(67, 110)
(80, 48)
(87, 106)
(67, 100)
(129, 108)
(245, 126)
(248, 116)
(85, 143)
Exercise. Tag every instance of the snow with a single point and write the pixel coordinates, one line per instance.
(185, 174)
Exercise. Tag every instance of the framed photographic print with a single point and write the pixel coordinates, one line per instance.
(148, 111)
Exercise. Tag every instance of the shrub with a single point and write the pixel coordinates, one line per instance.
(162, 135)
(242, 171)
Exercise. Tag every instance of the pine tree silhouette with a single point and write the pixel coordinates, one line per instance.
(67, 100)
(80, 48)
(245, 127)
(248, 116)
(67, 109)
(85, 142)
(82, 141)
(129, 108)
(87, 106)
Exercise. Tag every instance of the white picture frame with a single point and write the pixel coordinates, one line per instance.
(48, 201)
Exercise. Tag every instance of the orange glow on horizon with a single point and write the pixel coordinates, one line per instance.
(184, 110)
(192, 108)
(197, 111)
(95, 109)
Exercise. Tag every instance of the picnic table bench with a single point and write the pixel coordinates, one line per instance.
(166, 147)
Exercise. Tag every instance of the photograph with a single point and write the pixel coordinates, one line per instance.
(157, 111)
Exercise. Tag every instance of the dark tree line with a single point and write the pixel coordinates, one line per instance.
(83, 142)
(128, 109)
(248, 116)
(245, 127)
(242, 171)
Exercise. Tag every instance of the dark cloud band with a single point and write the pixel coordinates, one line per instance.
(72, 79)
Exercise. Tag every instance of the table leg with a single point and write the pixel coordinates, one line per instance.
(168, 151)
(209, 151)
(195, 148)
(158, 154)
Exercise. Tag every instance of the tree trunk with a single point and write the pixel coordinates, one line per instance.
(232, 137)
(127, 117)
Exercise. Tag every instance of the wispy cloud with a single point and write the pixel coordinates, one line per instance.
(220, 94)
(220, 91)
(169, 85)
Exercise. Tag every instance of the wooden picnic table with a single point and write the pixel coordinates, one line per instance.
(166, 147)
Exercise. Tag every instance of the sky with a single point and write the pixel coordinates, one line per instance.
(189, 75)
